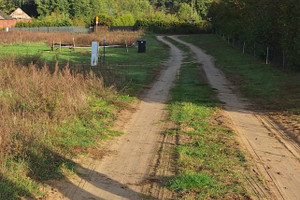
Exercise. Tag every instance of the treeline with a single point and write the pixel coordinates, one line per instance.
(83, 12)
(271, 23)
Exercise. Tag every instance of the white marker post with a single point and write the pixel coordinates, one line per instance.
(95, 51)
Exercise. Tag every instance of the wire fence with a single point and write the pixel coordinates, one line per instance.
(71, 29)
(270, 54)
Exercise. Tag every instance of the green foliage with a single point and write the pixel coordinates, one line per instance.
(124, 20)
(271, 23)
(162, 26)
(187, 182)
(105, 20)
(185, 12)
(7, 6)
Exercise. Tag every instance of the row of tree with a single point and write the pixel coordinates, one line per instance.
(271, 23)
(84, 11)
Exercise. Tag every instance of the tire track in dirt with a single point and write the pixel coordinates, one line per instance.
(127, 172)
(275, 157)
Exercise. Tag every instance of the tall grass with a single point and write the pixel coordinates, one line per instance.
(44, 118)
(114, 37)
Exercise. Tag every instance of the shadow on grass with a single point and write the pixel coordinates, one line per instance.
(46, 165)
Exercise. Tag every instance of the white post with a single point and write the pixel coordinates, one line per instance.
(95, 52)
(126, 46)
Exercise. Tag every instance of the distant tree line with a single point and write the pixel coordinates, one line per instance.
(84, 11)
(272, 23)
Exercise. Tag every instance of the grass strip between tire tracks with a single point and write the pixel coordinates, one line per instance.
(209, 163)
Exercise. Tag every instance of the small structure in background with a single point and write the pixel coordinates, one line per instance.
(3, 15)
(5, 20)
(8, 21)
(20, 15)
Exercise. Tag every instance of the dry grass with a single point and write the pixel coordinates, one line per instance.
(112, 38)
(33, 101)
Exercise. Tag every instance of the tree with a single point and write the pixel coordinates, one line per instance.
(7, 6)
(46, 7)
(186, 12)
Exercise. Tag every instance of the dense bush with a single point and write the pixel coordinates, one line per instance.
(124, 20)
(160, 26)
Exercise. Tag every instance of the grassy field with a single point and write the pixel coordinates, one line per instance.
(50, 116)
(266, 85)
(209, 163)
(124, 68)
(40, 51)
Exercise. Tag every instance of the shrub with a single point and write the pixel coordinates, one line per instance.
(160, 26)
(124, 20)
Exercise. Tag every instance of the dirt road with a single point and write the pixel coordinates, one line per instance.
(129, 172)
(276, 156)
(124, 173)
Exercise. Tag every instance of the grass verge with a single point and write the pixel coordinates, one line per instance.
(268, 86)
(209, 163)
(48, 117)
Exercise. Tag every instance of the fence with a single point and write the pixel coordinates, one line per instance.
(123, 28)
(72, 29)
(269, 54)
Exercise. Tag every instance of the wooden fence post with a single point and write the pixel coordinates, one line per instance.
(267, 57)
(283, 59)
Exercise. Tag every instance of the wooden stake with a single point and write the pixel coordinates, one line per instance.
(52, 46)
(283, 60)
(267, 57)
(74, 44)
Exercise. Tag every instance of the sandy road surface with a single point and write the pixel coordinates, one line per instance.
(124, 173)
(277, 158)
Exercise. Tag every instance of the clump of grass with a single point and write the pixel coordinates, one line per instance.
(209, 164)
(112, 37)
(46, 118)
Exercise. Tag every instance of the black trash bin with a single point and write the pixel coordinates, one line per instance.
(141, 46)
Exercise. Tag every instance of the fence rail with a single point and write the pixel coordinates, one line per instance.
(72, 29)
